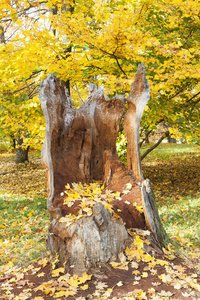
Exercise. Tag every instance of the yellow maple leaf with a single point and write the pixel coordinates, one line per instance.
(109, 207)
(84, 278)
(165, 278)
(139, 208)
(180, 268)
(134, 264)
(151, 291)
(117, 265)
(136, 272)
(50, 291)
(38, 298)
(120, 283)
(138, 242)
(41, 274)
(162, 262)
(88, 210)
(139, 294)
(116, 215)
(144, 275)
(73, 281)
(64, 293)
(43, 261)
(56, 272)
(74, 195)
(20, 276)
(177, 286)
(84, 287)
(147, 257)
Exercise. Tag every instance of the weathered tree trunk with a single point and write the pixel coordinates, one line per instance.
(21, 154)
(80, 146)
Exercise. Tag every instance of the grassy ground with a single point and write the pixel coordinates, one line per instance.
(174, 172)
(175, 175)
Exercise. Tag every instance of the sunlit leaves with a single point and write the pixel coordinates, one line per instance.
(56, 272)
(87, 195)
(65, 285)
(111, 39)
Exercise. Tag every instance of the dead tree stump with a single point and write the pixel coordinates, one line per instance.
(80, 146)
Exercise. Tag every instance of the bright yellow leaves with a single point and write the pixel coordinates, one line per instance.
(111, 39)
(43, 261)
(65, 285)
(119, 265)
(76, 281)
(56, 272)
(87, 195)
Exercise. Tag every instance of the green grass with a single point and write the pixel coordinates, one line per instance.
(170, 150)
(175, 175)
(181, 219)
(23, 227)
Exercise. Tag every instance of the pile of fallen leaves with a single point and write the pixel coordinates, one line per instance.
(88, 195)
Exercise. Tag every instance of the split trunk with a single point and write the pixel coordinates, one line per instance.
(80, 146)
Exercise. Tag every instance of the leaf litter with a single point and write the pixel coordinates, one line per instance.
(139, 275)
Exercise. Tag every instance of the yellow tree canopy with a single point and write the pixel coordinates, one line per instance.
(102, 42)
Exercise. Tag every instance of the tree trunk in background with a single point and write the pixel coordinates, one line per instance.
(2, 35)
(80, 146)
(21, 154)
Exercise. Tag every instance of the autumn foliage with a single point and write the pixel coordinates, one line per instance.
(111, 39)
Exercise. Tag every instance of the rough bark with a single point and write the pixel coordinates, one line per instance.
(89, 242)
(21, 154)
(80, 146)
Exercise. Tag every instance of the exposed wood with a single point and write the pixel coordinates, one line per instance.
(137, 100)
(77, 138)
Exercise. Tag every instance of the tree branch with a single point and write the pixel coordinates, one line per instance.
(166, 134)
(16, 91)
(188, 104)
(145, 136)
(119, 65)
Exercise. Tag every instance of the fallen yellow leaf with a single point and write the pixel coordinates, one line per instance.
(84, 287)
(41, 274)
(56, 272)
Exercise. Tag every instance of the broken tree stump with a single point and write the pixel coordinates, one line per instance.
(80, 146)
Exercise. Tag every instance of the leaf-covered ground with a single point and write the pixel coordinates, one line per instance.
(25, 271)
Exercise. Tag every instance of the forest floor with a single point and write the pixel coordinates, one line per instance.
(25, 270)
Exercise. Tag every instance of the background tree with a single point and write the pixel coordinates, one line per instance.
(111, 38)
